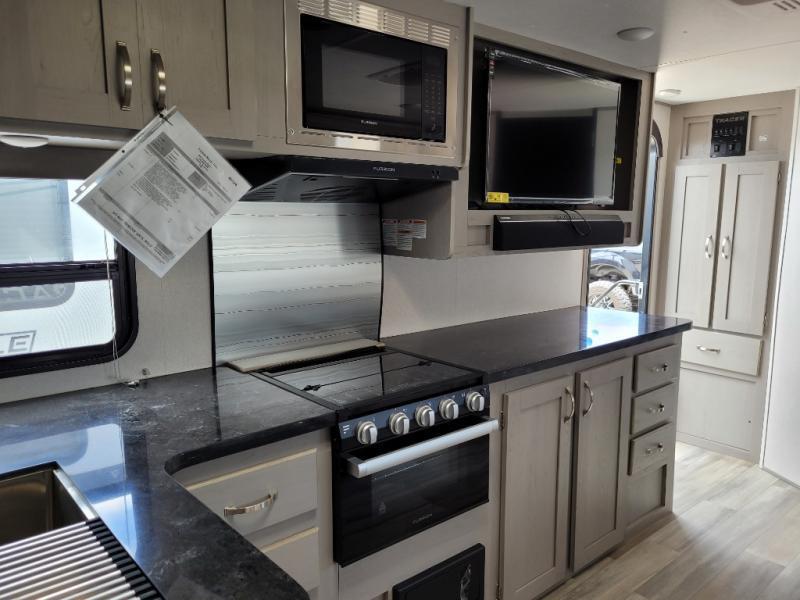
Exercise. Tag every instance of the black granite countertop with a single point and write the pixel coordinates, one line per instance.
(513, 346)
(120, 444)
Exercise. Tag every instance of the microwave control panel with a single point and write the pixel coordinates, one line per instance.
(729, 134)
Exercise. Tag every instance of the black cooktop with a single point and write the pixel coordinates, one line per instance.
(373, 381)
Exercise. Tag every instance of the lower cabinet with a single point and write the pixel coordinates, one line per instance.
(536, 474)
(601, 457)
(585, 463)
(278, 497)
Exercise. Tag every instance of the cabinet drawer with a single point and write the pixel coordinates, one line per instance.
(298, 555)
(654, 408)
(722, 351)
(291, 479)
(652, 448)
(653, 369)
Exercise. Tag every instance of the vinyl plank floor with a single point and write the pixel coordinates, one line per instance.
(734, 535)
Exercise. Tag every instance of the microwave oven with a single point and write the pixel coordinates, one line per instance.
(365, 77)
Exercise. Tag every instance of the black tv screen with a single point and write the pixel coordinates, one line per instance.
(551, 132)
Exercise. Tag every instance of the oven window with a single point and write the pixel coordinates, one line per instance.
(362, 81)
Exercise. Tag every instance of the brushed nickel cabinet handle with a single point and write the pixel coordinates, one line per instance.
(659, 447)
(591, 398)
(725, 248)
(658, 409)
(572, 405)
(230, 511)
(708, 246)
(707, 349)
(124, 76)
(159, 74)
(660, 369)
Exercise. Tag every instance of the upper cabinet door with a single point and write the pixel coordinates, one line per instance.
(745, 246)
(690, 274)
(535, 528)
(601, 457)
(70, 62)
(199, 56)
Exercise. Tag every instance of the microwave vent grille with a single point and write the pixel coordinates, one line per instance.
(418, 30)
(394, 24)
(377, 18)
(312, 7)
(440, 35)
(342, 10)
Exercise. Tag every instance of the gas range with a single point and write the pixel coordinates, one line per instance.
(409, 432)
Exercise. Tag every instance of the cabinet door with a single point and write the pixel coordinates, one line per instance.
(538, 441)
(690, 270)
(601, 457)
(745, 247)
(203, 51)
(59, 61)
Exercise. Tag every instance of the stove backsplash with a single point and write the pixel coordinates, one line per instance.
(292, 275)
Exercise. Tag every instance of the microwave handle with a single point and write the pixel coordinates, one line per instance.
(363, 468)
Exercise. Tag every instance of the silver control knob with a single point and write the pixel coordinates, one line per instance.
(367, 433)
(475, 402)
(448, 408)
(399, 424)
(425, 416)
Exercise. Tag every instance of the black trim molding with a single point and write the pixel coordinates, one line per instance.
(123, 281)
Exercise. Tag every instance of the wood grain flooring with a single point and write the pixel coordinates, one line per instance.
(734, 535)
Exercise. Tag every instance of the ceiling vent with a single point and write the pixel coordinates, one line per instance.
(768, 8)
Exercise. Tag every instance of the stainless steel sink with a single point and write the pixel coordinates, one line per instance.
(37, 501)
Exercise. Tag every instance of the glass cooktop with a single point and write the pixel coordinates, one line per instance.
(375, 378)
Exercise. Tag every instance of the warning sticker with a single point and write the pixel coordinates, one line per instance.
(418, 227)
(405, 236)
(390, 232)
(497, 197)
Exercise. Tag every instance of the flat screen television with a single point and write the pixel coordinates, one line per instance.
(549, 134)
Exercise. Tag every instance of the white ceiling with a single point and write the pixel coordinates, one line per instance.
(707, 48)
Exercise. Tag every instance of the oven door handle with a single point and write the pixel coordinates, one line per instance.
(363, 468)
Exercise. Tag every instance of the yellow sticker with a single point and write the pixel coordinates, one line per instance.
(497, 197)
(618, 160)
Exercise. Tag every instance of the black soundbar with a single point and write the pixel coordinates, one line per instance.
(523, 232)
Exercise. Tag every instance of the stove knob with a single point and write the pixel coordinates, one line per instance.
(475, 402)
(448, 409)
(425, 416)
(399, 424)
(367, 433)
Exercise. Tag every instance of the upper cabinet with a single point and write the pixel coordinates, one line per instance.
(721, 244)
(115, 63)
(199, 55)
(71, 62)
(695, 209)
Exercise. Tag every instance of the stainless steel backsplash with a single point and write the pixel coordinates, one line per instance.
(292, 275)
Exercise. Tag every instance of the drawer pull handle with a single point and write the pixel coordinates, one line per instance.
(124, 76)
(230, 511)
(707, 349)
(650, 451)
(591, 398)
(658, 409)
(660, 369)
(572, 405)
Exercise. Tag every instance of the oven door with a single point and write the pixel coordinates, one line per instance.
(362, 81)
(395, 489)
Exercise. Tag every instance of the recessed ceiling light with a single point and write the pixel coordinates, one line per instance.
(669, 92)
(636, 34)
(23, 141)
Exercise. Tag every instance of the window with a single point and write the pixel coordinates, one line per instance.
(67, 293)
(619, 277)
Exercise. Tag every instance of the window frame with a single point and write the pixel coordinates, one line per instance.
(70, 163)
